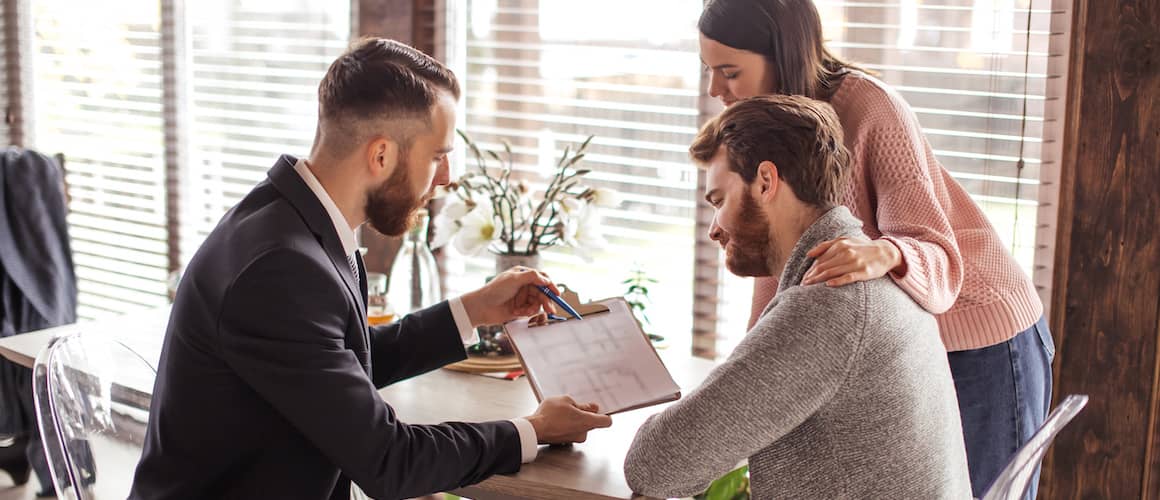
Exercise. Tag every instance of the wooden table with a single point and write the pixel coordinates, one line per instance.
(590, 470)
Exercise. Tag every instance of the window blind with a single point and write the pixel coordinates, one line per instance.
(976, 73)
(97, 95)
(256, 65)
(540, 76)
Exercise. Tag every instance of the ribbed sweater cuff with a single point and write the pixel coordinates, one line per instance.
(915, 281)
(990, 324)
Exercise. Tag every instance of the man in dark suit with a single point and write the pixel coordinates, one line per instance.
(268, 377)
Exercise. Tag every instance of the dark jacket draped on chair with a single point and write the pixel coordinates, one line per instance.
(37, 282)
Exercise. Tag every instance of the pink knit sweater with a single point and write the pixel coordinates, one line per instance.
(956, 266)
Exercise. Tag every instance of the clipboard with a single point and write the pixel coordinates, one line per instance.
(605, 358)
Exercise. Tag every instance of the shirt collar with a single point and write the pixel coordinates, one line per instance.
(345, 233)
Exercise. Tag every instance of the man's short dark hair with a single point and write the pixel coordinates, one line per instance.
(378, 86)
(803, 137)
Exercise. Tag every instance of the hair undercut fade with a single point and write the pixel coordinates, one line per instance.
(380, 86)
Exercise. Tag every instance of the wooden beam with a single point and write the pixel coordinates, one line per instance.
(175, 80)
(406, 21)
(386, 18)
(17, 35)
(1106, 311)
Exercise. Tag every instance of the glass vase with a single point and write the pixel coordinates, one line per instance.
(414, 281)
(505, 261)
(491, 337)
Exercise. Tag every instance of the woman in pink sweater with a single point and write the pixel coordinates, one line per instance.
(925, 231)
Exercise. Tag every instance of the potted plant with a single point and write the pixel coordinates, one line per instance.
(493, 207)
(490, 208)
(637, 297)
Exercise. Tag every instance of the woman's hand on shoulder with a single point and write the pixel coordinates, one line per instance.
(848, 260)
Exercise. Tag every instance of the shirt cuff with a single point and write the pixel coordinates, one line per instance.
(529, 442)
(462, 322)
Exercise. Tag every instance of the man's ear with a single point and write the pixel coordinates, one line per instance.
(381, 157)
(767, 180)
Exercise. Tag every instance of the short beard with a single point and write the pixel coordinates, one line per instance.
(750, 246)
(392, 207)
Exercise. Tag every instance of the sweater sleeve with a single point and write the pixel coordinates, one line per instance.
(910, 201)
(790, 365)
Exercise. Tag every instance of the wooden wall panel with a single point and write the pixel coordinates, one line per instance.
(1106, 310)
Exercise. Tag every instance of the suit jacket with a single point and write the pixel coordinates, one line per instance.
(38, 286)
(267, 384)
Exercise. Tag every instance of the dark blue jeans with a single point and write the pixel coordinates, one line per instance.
(1004, 393)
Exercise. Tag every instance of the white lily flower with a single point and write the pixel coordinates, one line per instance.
(441, 192)
(572, 206)
(584, 235)
(568, 228)
(447, 223)
(477, 231)
(455, 209)
(445, 229)
(607, 198)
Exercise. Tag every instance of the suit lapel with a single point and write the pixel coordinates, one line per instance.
(290, 184)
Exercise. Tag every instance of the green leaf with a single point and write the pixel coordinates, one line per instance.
(567, 151)
(575, 159)
(585, 143)
(462, 134)
(730, 486)
(470, 143)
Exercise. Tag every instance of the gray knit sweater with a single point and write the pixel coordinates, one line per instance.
(835, 393)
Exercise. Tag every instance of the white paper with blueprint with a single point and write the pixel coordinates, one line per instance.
(604, 358)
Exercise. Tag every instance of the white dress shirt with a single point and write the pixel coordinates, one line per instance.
(528, 439)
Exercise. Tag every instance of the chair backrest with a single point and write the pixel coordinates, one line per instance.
(1016, 477)
(92, 402)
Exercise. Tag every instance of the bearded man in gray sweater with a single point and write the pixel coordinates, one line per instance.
(836, 392)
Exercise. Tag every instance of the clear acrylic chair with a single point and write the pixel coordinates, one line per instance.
(92, 404)
(1013, 481)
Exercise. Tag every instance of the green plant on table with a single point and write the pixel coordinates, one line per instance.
(731, 486)
(637, 297)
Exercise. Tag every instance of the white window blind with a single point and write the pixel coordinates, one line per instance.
(97, 91)
(256, 65)
(977, 78)
(546, 74)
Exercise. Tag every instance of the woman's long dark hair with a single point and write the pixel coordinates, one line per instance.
(788, 33)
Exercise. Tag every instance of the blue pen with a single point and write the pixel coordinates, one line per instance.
(556, 298)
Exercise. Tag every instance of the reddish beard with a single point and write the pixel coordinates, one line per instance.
(748, 250)
(392, 206)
